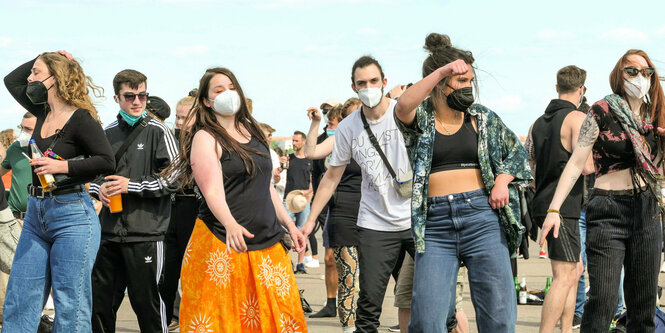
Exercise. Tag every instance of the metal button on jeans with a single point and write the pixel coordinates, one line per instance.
(450, 197)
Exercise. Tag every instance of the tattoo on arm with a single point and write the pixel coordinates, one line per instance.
(588, 132)
(573, 180)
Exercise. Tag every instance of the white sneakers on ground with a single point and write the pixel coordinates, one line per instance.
(311, 262)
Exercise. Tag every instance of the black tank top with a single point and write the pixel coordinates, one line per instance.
(551, 158)
(456, 151)
(351, 178)
(248, 198)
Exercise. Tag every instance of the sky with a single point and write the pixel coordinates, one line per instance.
(292, 54)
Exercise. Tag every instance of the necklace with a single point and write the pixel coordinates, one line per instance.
(436, 115)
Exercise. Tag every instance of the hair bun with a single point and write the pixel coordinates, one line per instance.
(193, 92)
(436, 42)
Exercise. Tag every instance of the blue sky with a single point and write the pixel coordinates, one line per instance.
(292, 54)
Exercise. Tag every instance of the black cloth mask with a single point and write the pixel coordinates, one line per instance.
(37, 92)
(460, 99)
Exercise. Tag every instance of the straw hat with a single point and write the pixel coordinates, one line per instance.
(296, 201)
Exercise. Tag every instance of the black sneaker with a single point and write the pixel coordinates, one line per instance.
(300, 269)
(326, 312)
(577, 322)
(393, 328)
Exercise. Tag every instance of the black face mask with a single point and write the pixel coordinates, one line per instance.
(460, 99)
(37, 92)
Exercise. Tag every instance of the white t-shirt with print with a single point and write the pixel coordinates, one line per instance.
(381, 208)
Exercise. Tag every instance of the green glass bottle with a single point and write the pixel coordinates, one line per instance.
(548, 283)
(517, 289)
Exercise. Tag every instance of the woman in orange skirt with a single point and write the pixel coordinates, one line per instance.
(236, 273)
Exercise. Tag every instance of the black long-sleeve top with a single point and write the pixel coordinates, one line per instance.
(82, 135)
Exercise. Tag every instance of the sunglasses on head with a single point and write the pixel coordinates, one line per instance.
(632, 71)
(130, 97)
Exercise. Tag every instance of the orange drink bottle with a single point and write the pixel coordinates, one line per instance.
(46, 181)
(116, 203)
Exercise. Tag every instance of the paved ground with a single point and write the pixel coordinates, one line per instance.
(535, 270)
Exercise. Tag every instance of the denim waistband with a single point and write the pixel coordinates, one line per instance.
(481, 192)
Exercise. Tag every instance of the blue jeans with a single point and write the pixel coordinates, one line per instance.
(581, 285)
(57, 249)
(463, 227)
(301, 217)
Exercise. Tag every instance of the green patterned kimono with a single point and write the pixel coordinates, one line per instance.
(499, 151)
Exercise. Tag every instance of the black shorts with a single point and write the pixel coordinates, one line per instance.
(567, 246)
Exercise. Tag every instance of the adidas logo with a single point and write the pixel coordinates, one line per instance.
(139, 146)
(148, 259)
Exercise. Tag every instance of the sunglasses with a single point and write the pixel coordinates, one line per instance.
(632, 71)
(130, 97)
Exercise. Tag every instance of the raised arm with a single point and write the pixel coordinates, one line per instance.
(588, 136)
(312, 150)
(405, 110)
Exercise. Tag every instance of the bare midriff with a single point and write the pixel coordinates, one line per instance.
(454, 181)
(617, 180)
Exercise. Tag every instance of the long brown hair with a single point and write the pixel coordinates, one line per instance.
(205, 120)
(655, 108)
(71, 83)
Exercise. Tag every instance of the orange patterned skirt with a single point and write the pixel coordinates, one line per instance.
(254, 291)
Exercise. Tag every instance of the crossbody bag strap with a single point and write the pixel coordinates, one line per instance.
(132, 136)
(375, 143)
(59, 133)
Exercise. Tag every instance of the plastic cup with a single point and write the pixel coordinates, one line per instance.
(116, 203)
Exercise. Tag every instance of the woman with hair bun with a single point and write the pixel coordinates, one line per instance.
(465, 206)
(625, 208)
(61, 232)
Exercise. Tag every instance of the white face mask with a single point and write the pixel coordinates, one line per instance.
(638, 87)
(23, 138)
(227, 103)
(371, 97)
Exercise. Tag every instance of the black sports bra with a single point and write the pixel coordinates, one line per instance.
(456, 151)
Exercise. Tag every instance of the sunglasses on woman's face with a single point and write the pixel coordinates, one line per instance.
(130, 97)
(632, 71)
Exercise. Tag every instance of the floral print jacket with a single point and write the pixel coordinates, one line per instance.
(499, 151)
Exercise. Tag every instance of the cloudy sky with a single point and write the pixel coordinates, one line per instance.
(292, 54)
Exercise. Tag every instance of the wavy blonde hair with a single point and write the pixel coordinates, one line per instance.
(71, 83)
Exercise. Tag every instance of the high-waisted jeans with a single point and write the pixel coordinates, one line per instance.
(622, 230)
(463, 227)
(57, 249)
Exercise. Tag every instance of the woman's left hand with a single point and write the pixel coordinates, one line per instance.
(499, 196)
(299, 240)
(46, 165)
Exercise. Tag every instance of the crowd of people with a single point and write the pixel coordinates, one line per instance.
(419, 183)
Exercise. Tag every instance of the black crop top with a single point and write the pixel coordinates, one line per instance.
(456, 151)
(82, 135)
(613, 150)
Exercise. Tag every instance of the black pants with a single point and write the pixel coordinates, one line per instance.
(137, 267)
(378, 253)
(622, 230)
(183, 219)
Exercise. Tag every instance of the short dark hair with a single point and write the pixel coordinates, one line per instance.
(304, 137)
(570, 78)
(28, 115)
(129, 77)
(363, 62)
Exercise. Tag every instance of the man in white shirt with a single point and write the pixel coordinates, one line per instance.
(384, 217)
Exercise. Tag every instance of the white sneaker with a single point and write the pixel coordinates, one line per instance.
(313, 263)
(348, 329)
(306, 260)
(662, 267)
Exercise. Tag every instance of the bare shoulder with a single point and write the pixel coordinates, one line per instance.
(574, 119)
